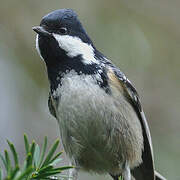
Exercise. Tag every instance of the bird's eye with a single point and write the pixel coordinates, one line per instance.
(63, 30)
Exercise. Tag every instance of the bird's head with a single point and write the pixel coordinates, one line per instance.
(64, 45)
(61, 37)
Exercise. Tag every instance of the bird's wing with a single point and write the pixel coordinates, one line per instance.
(52, 106)
(146, 169)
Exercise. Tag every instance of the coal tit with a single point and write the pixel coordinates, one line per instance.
(102, 124)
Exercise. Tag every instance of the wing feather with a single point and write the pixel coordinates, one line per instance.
(146, 169)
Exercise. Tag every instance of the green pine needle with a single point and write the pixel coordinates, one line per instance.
(51, 153)
(32, 149)
(4, 161)
(36, 165)
(8, 162)
(25, 173)
(26, 143)
(14, 153)
(45, 169)
(29, 160)
(36, 156)
(55, 158)
(43, 152)
(14, 172)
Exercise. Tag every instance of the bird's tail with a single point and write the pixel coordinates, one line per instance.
(159, 176)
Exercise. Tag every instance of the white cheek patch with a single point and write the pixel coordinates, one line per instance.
(74, 47)
(37, 46)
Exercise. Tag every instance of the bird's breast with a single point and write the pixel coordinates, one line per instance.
(98, 130)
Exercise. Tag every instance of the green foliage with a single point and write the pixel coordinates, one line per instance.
(37, 165)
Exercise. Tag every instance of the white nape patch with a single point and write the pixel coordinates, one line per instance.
(37, 46)
(74, 47)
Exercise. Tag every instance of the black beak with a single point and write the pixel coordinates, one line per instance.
(41, 31)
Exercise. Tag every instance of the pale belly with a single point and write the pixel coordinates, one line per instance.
(100, 132)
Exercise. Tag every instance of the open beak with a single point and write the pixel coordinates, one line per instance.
(41, 31)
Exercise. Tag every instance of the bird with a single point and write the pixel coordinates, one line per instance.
(98, 110)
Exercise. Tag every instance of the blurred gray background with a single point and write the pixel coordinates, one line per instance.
(142, 37)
